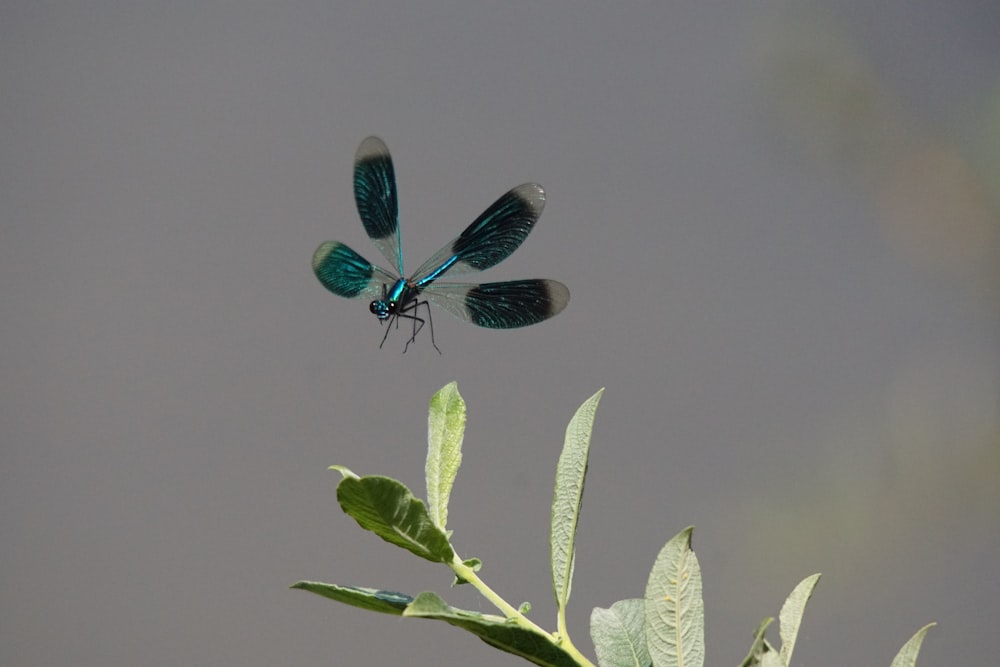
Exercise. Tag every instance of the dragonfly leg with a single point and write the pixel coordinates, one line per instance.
(410, 313)
(387, 330)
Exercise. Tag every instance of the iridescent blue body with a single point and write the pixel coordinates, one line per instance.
(490, 239)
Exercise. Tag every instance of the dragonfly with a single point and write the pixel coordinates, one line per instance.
(489, 240)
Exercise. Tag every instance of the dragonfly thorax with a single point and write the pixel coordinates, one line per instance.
(394, 299)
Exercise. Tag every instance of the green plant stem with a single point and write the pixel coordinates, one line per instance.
(466, 573)
(567, 645)
(563, 631)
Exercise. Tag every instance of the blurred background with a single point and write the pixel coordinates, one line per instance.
(779, 225)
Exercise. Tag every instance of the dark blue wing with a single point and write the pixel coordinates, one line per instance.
(375, 195)
(490, 239)
(348, 274)
(505, 305)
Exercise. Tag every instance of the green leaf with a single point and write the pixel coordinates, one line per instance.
(760, 647)
(445, 431)
(344, 471)
(372, 599)
(619, 634)
(907, 656)
(675, 611)
(790, 617)
(388, 509)
(571, 473)
(495, 631)
(771, 659)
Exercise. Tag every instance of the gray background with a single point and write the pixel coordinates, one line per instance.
(779, 227)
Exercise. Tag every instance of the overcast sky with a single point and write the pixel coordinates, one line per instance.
(779, 228)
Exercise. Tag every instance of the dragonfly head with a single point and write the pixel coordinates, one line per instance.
(382, 309)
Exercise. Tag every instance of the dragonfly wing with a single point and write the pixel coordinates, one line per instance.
(504, 305)
(491, 238)
(375, 196)
(348, 274)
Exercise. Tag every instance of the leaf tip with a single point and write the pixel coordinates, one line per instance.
(344, 471)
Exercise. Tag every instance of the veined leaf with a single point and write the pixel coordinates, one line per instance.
(771, 659)
(494, 630)
(619, 634)
(445, 431)
(790, 617)
(372, 599)
(760, 647)
(907, 656)
(675, 611)
(388, 509)
(571, 473)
